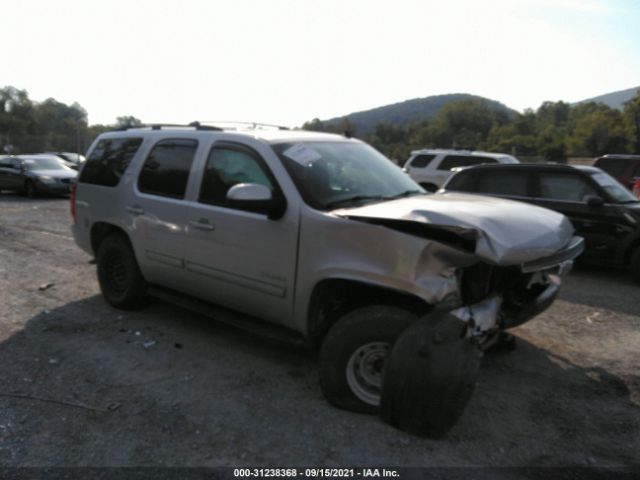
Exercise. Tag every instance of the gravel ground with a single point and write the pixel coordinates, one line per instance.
(83, 384)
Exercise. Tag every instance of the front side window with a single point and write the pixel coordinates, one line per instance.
(566, 187)
(109, 160)
(166, 170)
(337, 174)
(613, 166)
(229, 165)
(503, 183)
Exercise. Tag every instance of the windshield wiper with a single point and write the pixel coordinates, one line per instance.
(407, 193)
(355, 198)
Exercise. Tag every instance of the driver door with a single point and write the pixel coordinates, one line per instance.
(236, 256)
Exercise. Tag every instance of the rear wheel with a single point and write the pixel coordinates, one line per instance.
(353, 355)
(121, 281)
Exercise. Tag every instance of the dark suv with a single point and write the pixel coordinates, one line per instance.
(601, 209)
(624, 168)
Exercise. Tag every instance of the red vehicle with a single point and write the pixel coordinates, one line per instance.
(624, 168)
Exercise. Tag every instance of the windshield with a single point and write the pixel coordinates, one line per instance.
(340, 174)
(43, 164)
(615, 190)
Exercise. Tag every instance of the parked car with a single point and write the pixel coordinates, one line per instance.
(624, 168)
(74, 160)
(432, 168)
(602, 211)
(319, 240)
(35, 175)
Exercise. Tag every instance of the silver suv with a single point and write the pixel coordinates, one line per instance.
(316, 239)
(432, 168)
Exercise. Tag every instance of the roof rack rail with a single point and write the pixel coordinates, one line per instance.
(251, 125)
(160, 126)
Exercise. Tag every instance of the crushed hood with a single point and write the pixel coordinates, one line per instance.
(503, 232)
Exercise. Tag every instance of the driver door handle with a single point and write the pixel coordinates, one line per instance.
(202, 224)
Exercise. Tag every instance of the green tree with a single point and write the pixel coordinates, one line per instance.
(595, 129)
(631, 119)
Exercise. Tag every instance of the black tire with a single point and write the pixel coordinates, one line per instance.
(355, 344)
(429, 376)
(429, 187)
(30, 189)
(119, 276)
(635, 264)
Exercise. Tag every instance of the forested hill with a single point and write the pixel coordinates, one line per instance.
(614, 99)
(415, 110)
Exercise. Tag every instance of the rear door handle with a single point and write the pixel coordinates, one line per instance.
(202, 224)
(134, 210)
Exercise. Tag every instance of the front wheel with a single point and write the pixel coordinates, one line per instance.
(30, 189)
(119, 276)
(353, 354)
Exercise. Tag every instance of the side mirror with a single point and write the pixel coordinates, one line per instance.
(249, 192)
(593, 201)
(257, 198)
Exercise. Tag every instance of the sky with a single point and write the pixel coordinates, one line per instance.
(289, 61)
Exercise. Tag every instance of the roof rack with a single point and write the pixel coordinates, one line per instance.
(250, 125)
(160, 126)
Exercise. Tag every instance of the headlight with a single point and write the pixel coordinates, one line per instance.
(45, 179)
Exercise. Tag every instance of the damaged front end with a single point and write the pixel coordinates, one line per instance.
(492, 263)
(497, 298)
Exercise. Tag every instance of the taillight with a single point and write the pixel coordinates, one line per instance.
(73, 201)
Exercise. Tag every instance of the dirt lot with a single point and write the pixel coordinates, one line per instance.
(207, 395)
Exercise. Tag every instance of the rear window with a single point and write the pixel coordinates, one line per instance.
(503, 183)
(613, 166)
(421, 161)
(109, 160)
(166, 170)
(453, 161)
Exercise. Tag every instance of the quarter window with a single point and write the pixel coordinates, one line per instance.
(228, 166)
(422, 161)
(109, 160)
(166, 170)
(564, 187)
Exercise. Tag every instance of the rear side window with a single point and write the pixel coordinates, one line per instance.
(421, 161)
(503, 183)
(613, 166)
(109, 160)
(453, 161)
(166, 170)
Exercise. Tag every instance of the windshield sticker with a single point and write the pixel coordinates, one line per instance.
(302, 154)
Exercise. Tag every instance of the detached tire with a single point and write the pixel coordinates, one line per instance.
(635, 264)
(429, 376)
(353, 355)
(121, 281)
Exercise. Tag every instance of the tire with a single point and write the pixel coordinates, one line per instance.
(119, 276)
(352, 356)
(429, 376)
(635, 264)
(429, 187)
(30, 189)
